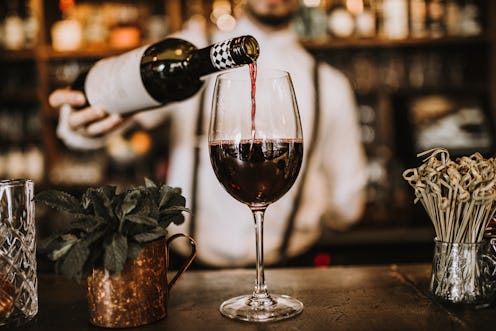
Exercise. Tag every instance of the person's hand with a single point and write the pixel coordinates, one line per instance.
(89, 121)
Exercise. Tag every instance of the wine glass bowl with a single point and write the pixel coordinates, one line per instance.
(256, 150)
(257, 172)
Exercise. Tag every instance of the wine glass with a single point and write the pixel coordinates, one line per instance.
(256, 150)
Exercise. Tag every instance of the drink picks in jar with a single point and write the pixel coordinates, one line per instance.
(459, 196)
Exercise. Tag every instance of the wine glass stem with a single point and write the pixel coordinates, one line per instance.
(260, 286)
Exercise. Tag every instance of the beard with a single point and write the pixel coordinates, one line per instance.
(271, 19)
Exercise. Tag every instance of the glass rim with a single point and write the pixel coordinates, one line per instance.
(15, 182)
(262, 74)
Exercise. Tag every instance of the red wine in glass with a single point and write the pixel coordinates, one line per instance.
(257, 172)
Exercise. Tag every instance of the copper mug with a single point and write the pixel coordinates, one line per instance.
(139, 295)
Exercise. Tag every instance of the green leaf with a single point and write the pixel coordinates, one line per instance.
(166, 220)
(127, 205)
(172, 215)
(147, 206)
(149, 183)
(173, 210)
(170, 196)
(101, 195)
(59, 200)
(93, 237)
(115, 254)
(72, 265)
(86, 223)
(101, 200)
(141, 219)
(156, 233)
(60, 252)
(133, 250)
(46, 243)
(108, 191)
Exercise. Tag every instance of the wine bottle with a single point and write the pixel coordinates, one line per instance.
(394, 23)
(340, 21)
(167, 71)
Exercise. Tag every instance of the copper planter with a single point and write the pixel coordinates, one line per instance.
(138, 296)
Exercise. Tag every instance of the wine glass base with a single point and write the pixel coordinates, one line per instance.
(268, 308)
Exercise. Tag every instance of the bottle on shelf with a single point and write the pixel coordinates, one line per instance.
(67, 33)
(470, 24)
(167, 71)
(126, 32)
(453, 17)
(436, 12)
(14, 37)
(31, 24)
(418, 15)
(341, 23)
(365, 20)
(311, 21)
(394, 24)
(95, 30)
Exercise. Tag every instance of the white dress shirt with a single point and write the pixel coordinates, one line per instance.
(334, 189)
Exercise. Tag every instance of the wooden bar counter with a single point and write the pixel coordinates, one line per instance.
(336, 298)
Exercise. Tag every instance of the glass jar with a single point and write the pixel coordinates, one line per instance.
(464, 273)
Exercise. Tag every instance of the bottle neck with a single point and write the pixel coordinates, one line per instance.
(225, 55)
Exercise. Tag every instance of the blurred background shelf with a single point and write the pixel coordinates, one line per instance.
(367, 43)
(93, 52)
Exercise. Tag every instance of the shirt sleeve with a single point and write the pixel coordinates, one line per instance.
(342, 154)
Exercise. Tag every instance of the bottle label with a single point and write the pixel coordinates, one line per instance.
(220, 54)
(115, 84)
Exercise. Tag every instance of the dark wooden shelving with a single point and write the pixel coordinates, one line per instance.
(18, 55)
(373, 43)
(32, 139)
(24, 97)
(93, 52)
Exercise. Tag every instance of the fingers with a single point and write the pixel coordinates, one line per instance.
(90, 121)
(64, 96)
(85, 117)
(101, 127)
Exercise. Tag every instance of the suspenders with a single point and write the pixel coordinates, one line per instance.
(283, 250)
(311, 145)
(196, 164)
(196, 156)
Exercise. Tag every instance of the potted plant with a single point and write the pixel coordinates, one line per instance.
(117, 242)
